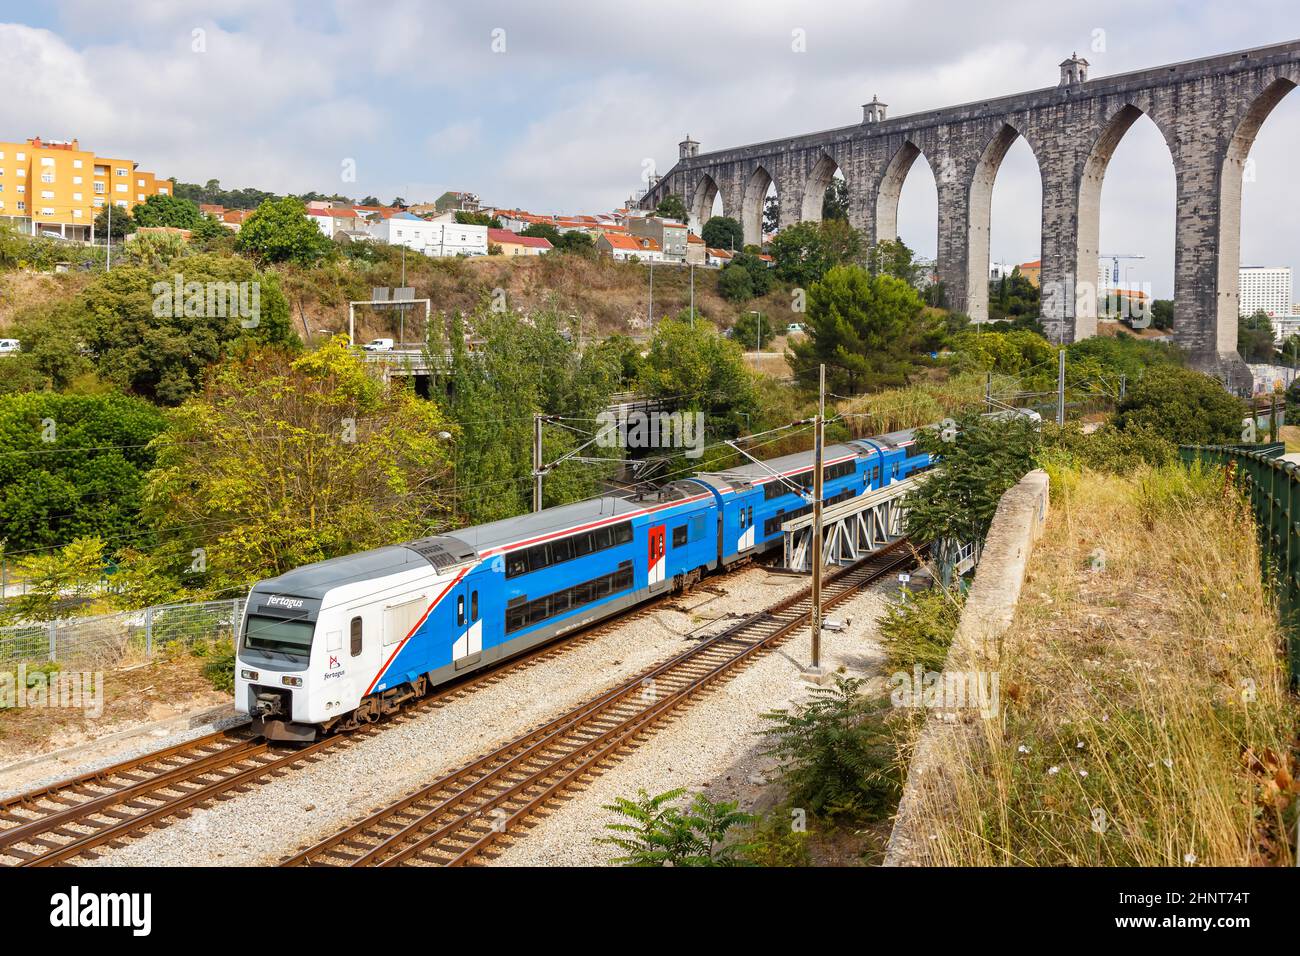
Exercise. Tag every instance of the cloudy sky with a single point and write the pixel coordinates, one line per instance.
(555, 105)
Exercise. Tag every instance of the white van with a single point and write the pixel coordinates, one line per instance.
(379, 345)
(9, 346)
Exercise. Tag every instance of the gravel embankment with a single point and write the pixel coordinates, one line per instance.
(711, 746)
(273, 820)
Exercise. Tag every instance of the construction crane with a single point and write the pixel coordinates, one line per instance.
(1114, 258)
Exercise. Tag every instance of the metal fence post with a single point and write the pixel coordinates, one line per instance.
(148, 633)
(53, 633)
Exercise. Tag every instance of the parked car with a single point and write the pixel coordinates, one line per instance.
(9, 346)
(379, 345)
(794, 328)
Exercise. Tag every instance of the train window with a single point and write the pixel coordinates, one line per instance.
(603, 539)
(537, 610)
(561, 550)
(562, 601)
(581, 544)
(581, 595)
(460, 610)
(356, 636)
(679, 536)
(473, 606)
(875, 474)
(697, 528)
(539, 557)
(749, 516)
(742, 519)
(603, 587)
(514, 618)
(894, 470)
(623, 533)
(516, 563)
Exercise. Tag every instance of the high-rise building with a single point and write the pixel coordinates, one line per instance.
(54, 187)
(1265, 289)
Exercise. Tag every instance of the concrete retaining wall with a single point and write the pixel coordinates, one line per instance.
(976, 649)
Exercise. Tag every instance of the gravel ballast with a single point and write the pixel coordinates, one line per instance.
(275, 819)
(711, 745)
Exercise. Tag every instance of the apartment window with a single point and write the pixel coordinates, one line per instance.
(121, 187)
(2, 154)
(76, 164)
(101, 170)
(76, 180)
(139, 182)
(76, 197)
(47, 211)
(99, 187)
(22, 188)
(47, 177)
(121, 203)
(21, 205)
(120, 171)
(22, 172)
(162, 191)
(140, 196)
(21, 157)
(47, 193)
(76, 214)
(2, 203)
(99, 204)
(2, 172)
(47, 160)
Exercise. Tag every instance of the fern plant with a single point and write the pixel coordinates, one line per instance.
(659, 833)
(837, 754)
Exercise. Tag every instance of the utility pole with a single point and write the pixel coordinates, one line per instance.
(650, 305)
(537, 462)
(108, 239)
(1123, 386)
(692, 289)
(1060, 387)
(815, 672)
(988, 391)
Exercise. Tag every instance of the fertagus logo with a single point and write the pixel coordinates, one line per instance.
(279, 600)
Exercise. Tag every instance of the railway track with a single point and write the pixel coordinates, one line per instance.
(72, 818)
(459, 817)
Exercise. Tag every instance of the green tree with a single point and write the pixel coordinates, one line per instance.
(122, 223)
(72, 466)
(1012, 297)
(752, 329)
(671, 207)
(60, 584)
(806, 251)
(543, 230)
(1255, 337)
(835, 201)
(735, 284)
(866, 329)
(576, 242)
(978, 460)
(143, 337)
(723, 232)
(699, 370)
(167, 211)
(516, 370)
(1162, 314)
(284, 459)
(281, 231)
(477, 219)
(1186, 407)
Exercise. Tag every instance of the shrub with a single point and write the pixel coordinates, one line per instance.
(1108, 449)
(661, 834)
(920, 629)
(1186, 407)
(837, 753)
(219, 666)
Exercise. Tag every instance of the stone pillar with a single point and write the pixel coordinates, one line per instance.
(952, 265)
(1207, 237)
(1062, 253)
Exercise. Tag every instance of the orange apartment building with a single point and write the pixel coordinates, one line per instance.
(56, 188)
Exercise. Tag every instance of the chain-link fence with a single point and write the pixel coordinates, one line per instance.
(127, 637)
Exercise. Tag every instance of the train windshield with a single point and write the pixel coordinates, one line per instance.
(277, 634)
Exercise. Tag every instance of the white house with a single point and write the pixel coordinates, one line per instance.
(432, 238)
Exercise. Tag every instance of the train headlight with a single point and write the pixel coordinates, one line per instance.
(248, 675)
(291, 681)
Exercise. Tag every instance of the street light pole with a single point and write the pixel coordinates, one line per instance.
(537, 462)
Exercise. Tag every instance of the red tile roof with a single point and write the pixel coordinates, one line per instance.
(504, 237)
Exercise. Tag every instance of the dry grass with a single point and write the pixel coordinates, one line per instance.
(919, 404)
(1144, 716)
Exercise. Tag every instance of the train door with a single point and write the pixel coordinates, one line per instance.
(746, 539)
(467, 611)
(656, 562)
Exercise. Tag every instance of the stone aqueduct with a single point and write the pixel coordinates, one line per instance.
(1208, 111)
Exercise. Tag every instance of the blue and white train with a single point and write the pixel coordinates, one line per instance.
(335, 644)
